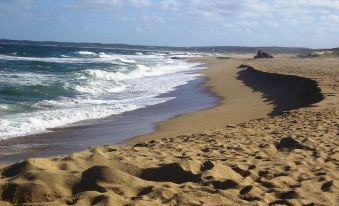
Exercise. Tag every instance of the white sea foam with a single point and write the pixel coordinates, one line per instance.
(67, 111)
(4, 107)
(48, 59)
(39, 121)
(99, 87)
(86, 53)
(76, 110)
(115, 58)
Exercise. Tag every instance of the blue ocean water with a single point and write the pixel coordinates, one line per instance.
(44, 87)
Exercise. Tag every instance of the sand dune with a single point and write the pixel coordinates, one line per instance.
(290, 159)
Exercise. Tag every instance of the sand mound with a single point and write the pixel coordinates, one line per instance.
(26, 193)
(104, 179)
(289, 143)
(18, 168)
(186, 171)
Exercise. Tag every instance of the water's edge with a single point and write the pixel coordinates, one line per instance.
(191, 97)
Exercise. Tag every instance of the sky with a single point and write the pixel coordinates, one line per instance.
(297, 23)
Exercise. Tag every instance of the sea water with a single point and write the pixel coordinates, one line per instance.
(46, 87)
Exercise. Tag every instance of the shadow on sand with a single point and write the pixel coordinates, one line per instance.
(285, 92)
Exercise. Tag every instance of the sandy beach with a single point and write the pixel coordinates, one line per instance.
(243, 96)
(271, 140)
(236, 103)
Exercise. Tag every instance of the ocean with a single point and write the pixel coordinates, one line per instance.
(48, 87)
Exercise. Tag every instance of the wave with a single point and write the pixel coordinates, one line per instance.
(89, 81)
(140, 71)
(39, 121)
(98, 88)
(5, 107)
(44, 59)
(103, 55)
(11, 108)
(68, 110)
(115, 58)
(86, 53)
(77, 110)
(116, 76)
(36, 91)
(186, 54)
(101, 58)
(16, 78)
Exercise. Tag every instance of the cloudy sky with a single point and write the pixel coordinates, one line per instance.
(310, 23)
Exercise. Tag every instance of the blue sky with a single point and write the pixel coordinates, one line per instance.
(310, 23)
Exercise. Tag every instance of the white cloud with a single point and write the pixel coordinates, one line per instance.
(16, 8)
(330, 18)
(260, 17)
(141, 3)
(308, 14)
(97, 4)
(110, 4)
(250, 24)
(169, 5)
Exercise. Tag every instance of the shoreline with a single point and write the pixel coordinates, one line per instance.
(240, 88)
(227, 96)
(110, 130)
(235, 105)
(289, 159)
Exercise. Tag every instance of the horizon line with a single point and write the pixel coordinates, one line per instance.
(145, 45)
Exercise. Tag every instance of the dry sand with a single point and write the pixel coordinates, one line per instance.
(289, 159)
